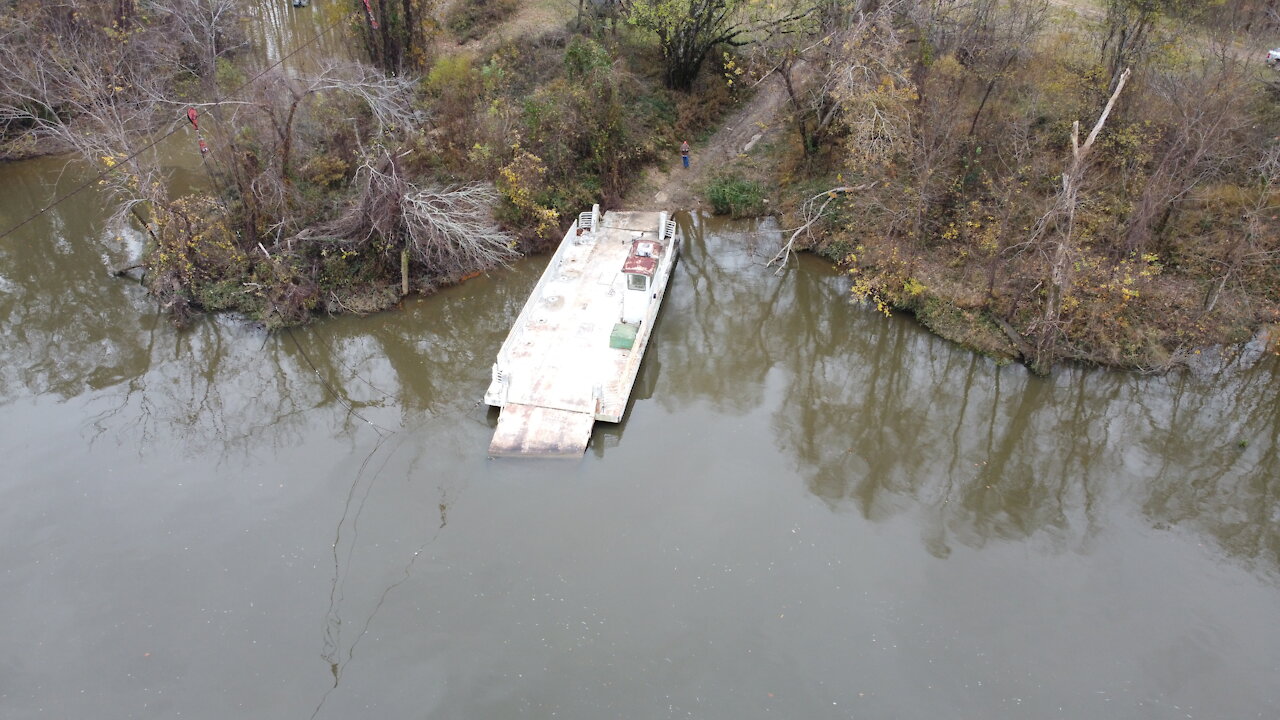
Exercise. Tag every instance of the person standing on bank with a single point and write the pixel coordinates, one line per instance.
(684, 153)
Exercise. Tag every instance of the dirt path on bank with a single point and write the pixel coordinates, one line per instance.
(763, 117)
(668, 186)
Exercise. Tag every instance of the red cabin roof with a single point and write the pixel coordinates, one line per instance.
(643, 258)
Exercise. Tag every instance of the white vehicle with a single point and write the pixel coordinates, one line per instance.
(1273, 58)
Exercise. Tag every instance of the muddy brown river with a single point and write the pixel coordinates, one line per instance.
(811, 511)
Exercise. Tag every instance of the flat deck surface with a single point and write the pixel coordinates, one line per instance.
(558, 351)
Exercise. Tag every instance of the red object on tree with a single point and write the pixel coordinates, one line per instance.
(372, 23)
(191, 115)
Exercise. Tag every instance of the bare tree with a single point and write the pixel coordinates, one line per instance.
(274, 123)
(690, 30)
(68, 82)
(812, 212)
(396, 33)
(1059, 224)
(1205, 113)
(870, 79)
(87, 91)
(388, 100)
(59, 60)
(996, 42)
(207, 30)
(445, 229)
(1129, 32)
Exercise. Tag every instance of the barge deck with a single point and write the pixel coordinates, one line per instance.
(574, 351)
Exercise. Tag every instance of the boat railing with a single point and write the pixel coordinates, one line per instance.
(589, 221)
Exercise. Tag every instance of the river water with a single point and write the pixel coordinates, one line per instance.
(811, 511)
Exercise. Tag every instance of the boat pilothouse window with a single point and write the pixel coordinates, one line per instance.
(640, 268)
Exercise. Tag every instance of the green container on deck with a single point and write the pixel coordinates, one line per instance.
(623, 336)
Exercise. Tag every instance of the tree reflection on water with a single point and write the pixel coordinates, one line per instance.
(890, 419)
(875, 413)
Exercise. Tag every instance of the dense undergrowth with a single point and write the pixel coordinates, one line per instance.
(346, 187)
(970, 212)
(553, 123)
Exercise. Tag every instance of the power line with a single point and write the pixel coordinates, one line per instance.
(334, 391)
(165, 136)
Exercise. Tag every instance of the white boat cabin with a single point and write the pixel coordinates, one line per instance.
(640, 267)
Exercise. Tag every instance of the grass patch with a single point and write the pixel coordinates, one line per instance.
(733, 195)
(971, 328)
(471, 19)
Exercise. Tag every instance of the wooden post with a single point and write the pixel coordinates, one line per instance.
(404, 272)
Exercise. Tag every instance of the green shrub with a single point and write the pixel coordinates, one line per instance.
(584, 56)
(451, 74)
(731, 194)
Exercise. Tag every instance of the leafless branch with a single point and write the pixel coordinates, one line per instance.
(812, 213)
(445, 228)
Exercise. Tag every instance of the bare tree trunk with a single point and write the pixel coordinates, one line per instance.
(386, 38)
(287, 139)
(1214, 292)
(802, 121)
(991, 85)
(408, 33)
(1128, 27)
(1063, 215)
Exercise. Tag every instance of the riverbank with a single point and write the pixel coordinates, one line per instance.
(1134, 314)
(953, 205)
(954, 208)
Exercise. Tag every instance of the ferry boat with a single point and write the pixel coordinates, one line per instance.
(573, 353)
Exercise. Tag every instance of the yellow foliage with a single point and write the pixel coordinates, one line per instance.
(451, 72)
(195, 242)
(521, 181)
